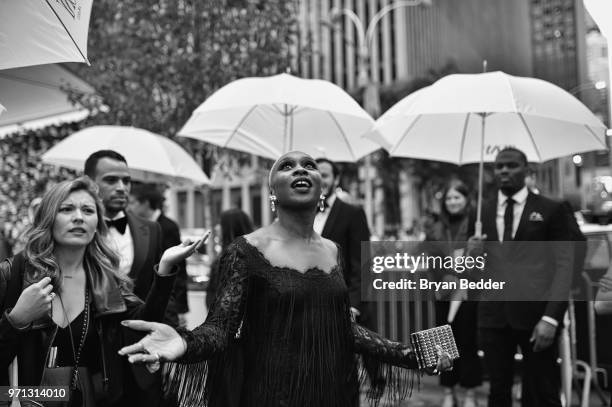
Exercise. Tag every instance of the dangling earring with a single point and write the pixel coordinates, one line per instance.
(273, 203)
(321, 204)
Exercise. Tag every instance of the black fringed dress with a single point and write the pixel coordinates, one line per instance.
(296, 345)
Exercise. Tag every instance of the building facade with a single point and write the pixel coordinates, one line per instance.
(539, 38)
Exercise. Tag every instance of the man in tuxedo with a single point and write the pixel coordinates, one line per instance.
(138, 243)
(146, 201)
(529, 234)
(346, 225)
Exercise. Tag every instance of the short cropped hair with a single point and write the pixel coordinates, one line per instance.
(92, 161)
(515, 150)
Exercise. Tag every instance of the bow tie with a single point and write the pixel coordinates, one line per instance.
(119, 224)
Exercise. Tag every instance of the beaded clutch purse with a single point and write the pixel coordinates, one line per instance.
(425, 342)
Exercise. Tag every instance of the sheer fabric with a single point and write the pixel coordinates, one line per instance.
(296, 345)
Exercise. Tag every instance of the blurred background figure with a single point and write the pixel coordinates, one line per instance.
(147, 201)
(451, 230)
(531, 181)
(20, 242)
(233, 223)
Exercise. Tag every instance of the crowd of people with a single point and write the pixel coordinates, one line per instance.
(99, 273)
(89, 263)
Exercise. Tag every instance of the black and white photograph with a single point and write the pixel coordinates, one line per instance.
(305, 203)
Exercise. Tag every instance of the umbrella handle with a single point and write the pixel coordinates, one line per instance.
(478, 228)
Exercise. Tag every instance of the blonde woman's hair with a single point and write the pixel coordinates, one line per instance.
(40, 244)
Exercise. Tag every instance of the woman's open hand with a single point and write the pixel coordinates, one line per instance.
(161, 344)
(176, 254)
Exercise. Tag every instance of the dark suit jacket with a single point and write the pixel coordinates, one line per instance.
(147, 239)
(171, 236)
(534, 270)
(348, 227)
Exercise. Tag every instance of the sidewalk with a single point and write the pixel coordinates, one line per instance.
(430, 394)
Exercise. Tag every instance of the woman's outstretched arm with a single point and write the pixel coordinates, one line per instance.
(211, 337)
(226, 313)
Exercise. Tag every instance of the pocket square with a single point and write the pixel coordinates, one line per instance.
(536, 217)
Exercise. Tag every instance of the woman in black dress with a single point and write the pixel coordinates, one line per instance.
(283, 292)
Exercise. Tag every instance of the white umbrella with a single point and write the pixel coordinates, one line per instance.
(272, 115)
(34, 32)
(467, 118)
(36, 96)
(151, 157)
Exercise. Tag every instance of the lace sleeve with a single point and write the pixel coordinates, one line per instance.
(226, 313)
(185, 378)
(389, 366)
(372, 345)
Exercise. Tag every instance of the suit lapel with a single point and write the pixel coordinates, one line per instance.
(140, 237)
(334, 212)
(528, 209)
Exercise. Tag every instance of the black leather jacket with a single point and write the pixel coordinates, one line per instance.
(111, 305)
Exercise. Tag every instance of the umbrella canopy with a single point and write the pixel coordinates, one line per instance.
(443, 122)
(151, 157)
(273, 115)
(34, 32)
(468, 118)
(36, 97)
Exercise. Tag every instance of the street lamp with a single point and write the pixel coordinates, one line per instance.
(365, 37)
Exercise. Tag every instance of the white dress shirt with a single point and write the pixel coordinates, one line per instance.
(321, 217)
(123, 245)
(155, 215)
(519, 204)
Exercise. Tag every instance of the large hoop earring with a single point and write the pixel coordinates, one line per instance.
(321, 204)
(273, 201)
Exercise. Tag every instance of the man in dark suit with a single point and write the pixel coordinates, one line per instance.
(527, 234)
(138, 243)
(146, 201)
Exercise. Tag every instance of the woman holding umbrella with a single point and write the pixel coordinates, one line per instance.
(284, 293)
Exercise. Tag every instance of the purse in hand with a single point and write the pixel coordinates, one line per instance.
(425, 345)
(76, 378)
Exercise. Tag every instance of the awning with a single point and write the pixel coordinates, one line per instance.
(35, 97)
